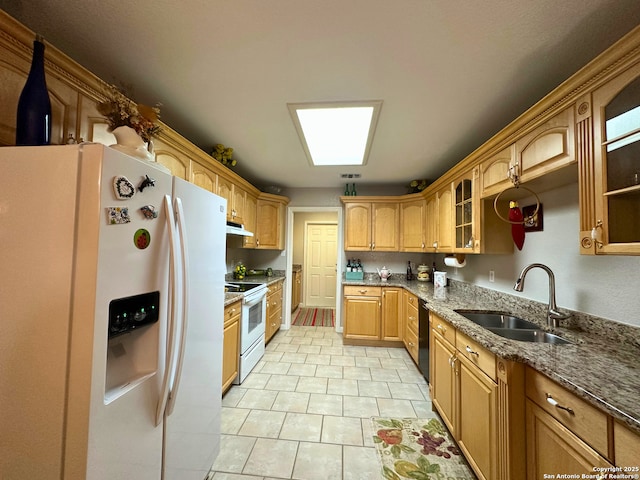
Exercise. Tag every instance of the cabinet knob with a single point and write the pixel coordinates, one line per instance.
(441, 328)
(373, 246)
(363, 291)
(555, 403)
(411, 344)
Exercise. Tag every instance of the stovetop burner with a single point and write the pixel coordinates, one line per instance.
(236, 287)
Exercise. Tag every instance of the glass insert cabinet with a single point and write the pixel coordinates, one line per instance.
(616, 115)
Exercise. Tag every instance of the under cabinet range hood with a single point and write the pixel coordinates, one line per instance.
(237, 229)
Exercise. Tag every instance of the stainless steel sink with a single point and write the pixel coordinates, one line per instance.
(511, 327)
(539, 336)
(497, 320)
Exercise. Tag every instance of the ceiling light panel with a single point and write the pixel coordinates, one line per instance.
(336, 133)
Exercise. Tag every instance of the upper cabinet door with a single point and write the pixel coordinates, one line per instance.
(465, 236)
(357, 221)
(616, 119)
(270, 224)
(412, 226)
(384, 227)
(547, 148)
(445, 225)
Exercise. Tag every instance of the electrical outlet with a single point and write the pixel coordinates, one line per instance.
(492, 276)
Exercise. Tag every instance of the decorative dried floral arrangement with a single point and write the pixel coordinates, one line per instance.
(223, 155)
(120, 111)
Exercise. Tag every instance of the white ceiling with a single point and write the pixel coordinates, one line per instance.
(450, 73)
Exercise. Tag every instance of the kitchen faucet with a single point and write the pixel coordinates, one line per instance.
(553, 314)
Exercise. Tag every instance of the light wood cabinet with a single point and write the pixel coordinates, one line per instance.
(477, 405)
(296, 289)
(610, 193)
(250, 220)
(362, 312)
(441, 224)
(270, 222)
(391, 320)
(466, 392)
(431, 223)
(373, 313)
(203, 177)
(443, 378)
(547, 148)
(583, 419)
(494, 172)
(274, 309)
(412, 225)
(410, 324)
(551, 447)
(466, 213)
(235, 196)
(371, 225)
(175, 163)
(627, 447)
(231, 343)
(478, 229)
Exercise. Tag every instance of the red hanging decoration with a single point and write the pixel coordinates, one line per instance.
(517, 229)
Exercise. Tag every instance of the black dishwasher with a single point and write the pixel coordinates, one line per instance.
(423, 339)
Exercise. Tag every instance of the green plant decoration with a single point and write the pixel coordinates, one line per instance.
(223, 155)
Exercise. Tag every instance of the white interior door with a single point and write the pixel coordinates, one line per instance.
(320, 265)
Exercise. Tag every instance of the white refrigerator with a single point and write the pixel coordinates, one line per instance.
(111, 306)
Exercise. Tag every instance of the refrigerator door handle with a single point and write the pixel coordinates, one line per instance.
(172, 318)
(173, 393)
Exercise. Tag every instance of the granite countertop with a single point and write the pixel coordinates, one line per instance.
(232, 297)
(602, 365)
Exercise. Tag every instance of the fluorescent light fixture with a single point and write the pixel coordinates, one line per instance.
(336, 133)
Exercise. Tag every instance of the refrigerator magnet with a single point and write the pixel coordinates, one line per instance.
(123, 188)
(147, 182)
(149, 212)
(142, 238)
(118, 215)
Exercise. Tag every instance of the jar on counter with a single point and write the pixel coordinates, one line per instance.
(423, 273)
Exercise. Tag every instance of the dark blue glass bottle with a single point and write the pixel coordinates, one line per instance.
(33, 123)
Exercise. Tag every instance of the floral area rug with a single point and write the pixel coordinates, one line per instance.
(418, 448)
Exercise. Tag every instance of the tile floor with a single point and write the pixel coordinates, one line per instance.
(304, 412)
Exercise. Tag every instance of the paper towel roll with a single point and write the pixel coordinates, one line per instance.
(453, 262)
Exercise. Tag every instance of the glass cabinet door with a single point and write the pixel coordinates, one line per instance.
(464, 214)
(622, 146)
(619, 182)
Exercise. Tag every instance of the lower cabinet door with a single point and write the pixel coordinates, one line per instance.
(231, 353)
(443, 381)
(362, 318)
(553, 449)
(477, 421)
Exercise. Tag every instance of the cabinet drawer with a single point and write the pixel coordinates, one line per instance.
(412, 319)
(412, 300)
(232, 313)
(362, 291)
(411, 342)
(443, 328)
(274, 287)
(477, 354)
(586, 421)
